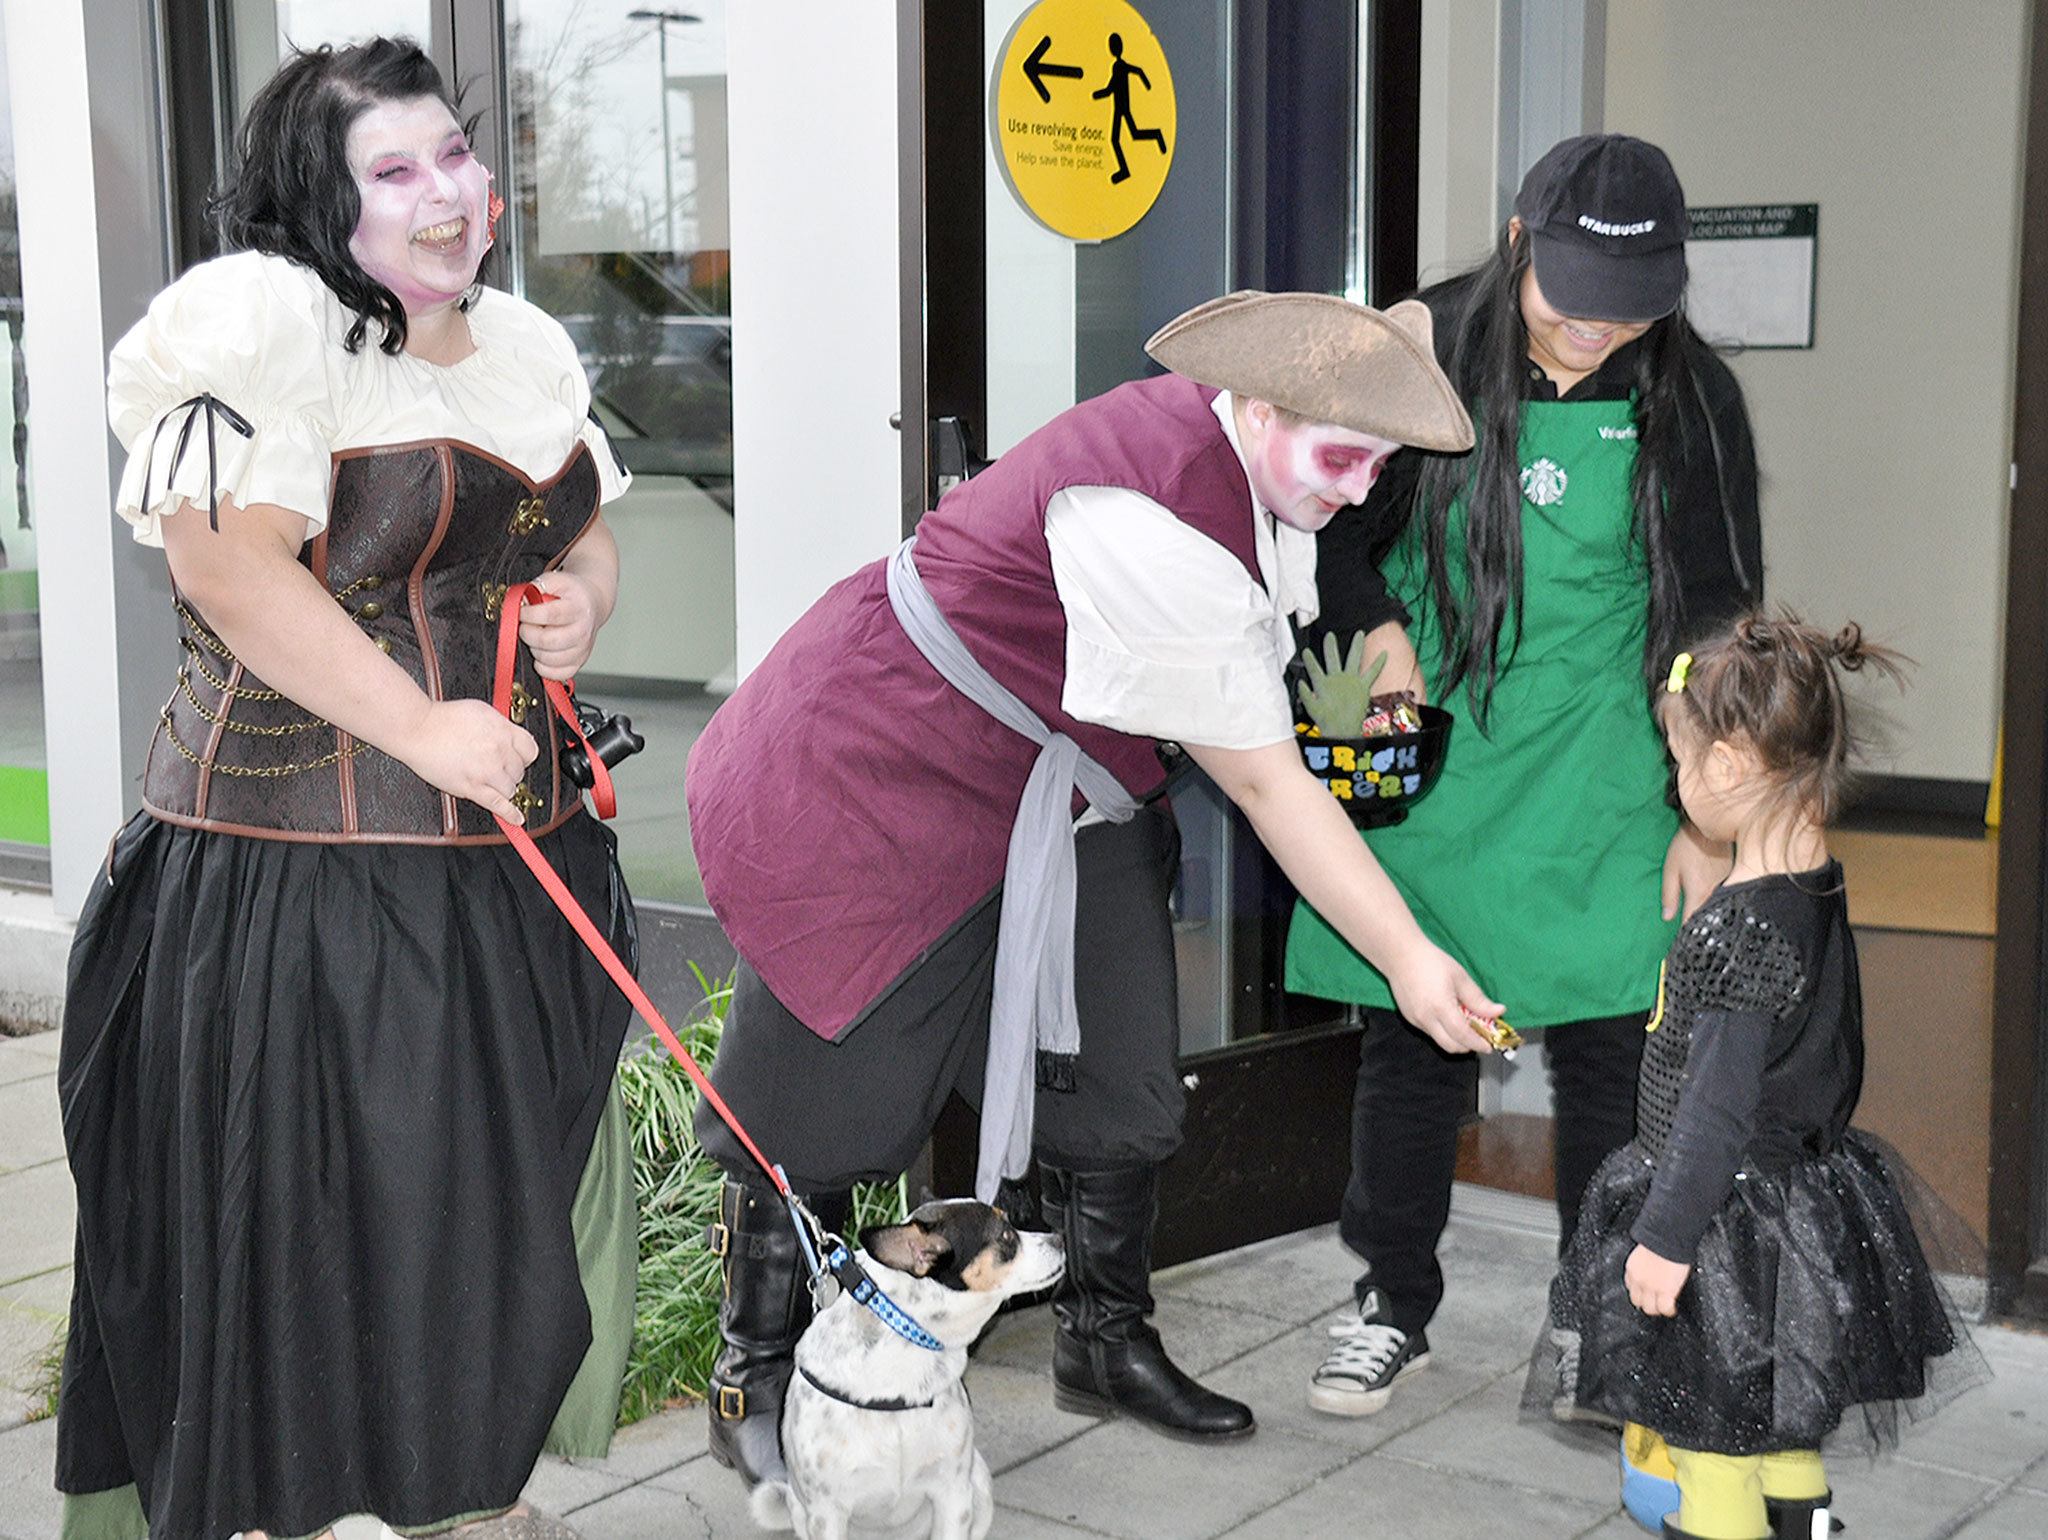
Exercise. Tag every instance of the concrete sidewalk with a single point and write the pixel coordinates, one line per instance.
(1447, 1460)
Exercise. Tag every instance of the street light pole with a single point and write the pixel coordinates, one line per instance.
(668, 146)
(661, 20)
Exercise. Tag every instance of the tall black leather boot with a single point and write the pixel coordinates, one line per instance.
(766, 1307)
(1107, 1359)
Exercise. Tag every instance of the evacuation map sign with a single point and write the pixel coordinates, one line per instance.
(1083, 116)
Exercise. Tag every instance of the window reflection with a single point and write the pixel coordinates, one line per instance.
(263, 32)
(619, 226)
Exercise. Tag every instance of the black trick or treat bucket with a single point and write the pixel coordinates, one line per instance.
(1378, 779)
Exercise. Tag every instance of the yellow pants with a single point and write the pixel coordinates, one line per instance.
(1721, 1496)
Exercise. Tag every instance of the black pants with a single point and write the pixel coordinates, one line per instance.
(1410, 1098)
(861, 1108)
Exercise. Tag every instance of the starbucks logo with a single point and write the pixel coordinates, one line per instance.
(1544, 482)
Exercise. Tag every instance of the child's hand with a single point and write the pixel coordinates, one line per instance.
(1654, 1282)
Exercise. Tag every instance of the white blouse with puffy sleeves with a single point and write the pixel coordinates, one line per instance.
(263, 336)
(1167, 635)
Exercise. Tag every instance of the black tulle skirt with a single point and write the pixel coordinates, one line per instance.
(327, 1106)
(1811, 1315)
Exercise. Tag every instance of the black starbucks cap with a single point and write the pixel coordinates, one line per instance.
(1606, 223)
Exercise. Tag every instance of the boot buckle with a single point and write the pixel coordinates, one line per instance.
(732, 1403)
(718, 1238)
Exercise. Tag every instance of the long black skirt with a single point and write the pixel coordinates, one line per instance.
(1811, 1317)
(327, 1106)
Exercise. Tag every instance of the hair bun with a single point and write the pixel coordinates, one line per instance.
(1847, 647)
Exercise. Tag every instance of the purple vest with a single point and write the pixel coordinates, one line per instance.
(848, 807)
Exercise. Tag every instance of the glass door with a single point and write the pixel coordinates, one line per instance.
(616, 181)
(24, 754)
(1267, 189)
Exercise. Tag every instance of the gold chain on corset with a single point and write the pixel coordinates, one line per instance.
(285, 730)
(199, 628)
(219, 649)
(261, 772)
(230, 691)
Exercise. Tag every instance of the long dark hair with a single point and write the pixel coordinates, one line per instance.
(1481, 626)
(291, 193)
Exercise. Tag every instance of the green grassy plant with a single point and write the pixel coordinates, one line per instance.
(675, 1325)
(47, 1373)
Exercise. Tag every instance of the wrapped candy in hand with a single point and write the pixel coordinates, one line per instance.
(1505, 1039)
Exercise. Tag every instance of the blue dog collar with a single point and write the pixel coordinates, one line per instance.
(853, 1278)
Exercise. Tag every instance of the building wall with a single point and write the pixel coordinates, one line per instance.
(1885, 449)
(1460, 134)
(812, 146)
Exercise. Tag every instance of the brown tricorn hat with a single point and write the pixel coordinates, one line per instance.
(1372, 371)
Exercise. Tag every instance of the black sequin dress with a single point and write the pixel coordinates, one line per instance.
(1810, 1297)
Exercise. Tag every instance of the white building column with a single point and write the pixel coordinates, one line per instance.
(88, 169)
(812, 147)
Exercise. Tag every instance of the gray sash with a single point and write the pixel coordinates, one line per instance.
(1033, 1010)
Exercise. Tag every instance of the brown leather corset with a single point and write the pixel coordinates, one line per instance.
(422, 542)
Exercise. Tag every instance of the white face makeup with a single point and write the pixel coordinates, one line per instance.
(1305, 473)
(424, 225)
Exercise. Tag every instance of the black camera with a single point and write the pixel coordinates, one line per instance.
(612, 737)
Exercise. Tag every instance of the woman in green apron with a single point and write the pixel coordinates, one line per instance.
(1607, 513)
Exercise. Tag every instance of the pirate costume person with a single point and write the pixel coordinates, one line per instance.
(354, 1197)
(887, 821)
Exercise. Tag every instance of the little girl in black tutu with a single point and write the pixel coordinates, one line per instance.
(1744, 1274)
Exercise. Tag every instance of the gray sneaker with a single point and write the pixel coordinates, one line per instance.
(1369, 1356)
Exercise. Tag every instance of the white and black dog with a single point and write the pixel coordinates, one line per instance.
(876, 1430)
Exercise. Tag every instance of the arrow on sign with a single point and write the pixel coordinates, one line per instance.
(1035, 68)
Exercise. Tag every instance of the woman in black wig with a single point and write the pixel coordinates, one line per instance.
(1537, 583)
(354, 1201)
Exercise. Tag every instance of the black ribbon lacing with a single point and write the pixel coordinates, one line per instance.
(211, 404)
(617, 459)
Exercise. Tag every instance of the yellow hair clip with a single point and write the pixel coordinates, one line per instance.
(1681, 667)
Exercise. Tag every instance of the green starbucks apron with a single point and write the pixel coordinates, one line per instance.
(1537, 860)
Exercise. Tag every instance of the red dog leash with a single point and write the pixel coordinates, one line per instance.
(829, 1258)
(561, 698)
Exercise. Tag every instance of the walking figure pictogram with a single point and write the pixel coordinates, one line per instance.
(1119, 92)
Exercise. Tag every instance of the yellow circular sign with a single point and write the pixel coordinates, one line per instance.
(1082, 111)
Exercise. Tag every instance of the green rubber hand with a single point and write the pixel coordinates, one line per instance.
(1337, 695)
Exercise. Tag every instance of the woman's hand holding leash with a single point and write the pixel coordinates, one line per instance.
(466, 749)
(581, 593)
(561, 632)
